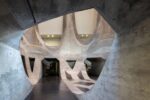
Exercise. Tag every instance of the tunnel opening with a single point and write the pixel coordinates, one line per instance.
(120, 82)
(50, 67)
(68, 37)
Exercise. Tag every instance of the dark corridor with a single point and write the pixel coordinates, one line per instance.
(50, 67)
(50, 87)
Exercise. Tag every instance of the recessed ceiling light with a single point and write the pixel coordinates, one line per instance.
(48, 36)
(52, 36)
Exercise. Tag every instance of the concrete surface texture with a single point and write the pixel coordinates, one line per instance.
(14, 84)
(126, 73)
(11, 69)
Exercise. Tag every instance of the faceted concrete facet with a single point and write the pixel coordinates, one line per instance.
(14, 84)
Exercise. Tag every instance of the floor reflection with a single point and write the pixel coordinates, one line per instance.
(51, 88)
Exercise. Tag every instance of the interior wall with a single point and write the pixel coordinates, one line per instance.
(14, 84)
(53, 26)
(86, 21)
(131, 74)
(125, 75)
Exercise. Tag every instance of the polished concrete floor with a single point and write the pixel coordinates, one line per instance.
(51, 88)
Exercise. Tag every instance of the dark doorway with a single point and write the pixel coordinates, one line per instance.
(24, 64)
(94, 66)
(50, 67)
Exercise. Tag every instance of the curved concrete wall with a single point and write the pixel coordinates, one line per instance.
(126, 73)
(14, 84)
(122, 15)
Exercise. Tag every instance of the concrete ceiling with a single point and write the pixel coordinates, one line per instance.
(122, 15)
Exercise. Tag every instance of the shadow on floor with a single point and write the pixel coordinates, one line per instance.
(51, 88)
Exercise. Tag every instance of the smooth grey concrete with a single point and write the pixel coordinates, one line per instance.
(123, 15)
(126, 74)
(48, 9)
(13, 39)
(20, 11)
(14, 84)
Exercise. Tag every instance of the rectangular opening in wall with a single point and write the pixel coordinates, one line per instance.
(50, 67)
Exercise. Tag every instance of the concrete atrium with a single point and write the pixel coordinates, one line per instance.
(74, 49)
